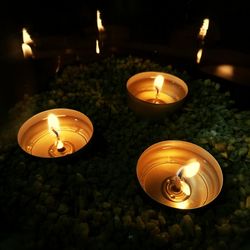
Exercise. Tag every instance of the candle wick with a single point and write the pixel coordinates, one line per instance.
(61, 148)
(157, 92)
(180, 175)
(56, 133)
(177, 184)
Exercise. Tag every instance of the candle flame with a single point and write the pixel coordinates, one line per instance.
(99, 21)
(158, 82)
(97, 48)
(199, 55)
(27, 51)
(191, 169)
(53, 123)
(27, 41)
(26, 37)
(54, 126)
(204, 28)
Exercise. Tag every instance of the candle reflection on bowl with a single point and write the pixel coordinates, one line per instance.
(153, 94)
(179, 174)
(55, 133)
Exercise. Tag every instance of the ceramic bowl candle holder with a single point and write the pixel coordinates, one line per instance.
(179, 174)
(154, 94)
(55, 133)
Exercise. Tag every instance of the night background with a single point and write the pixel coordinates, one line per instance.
(93, 200)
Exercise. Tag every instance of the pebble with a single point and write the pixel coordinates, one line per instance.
(63, 208)
(84, 227)
(248, 202)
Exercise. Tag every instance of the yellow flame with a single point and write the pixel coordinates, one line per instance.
(204, 28)
(53, 122)
(27, 51)
(99, 21)
(199, 55)
(158, 82)
(191, 169)
(26, 37)
(97, 48)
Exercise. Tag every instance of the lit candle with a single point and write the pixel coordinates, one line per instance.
(201, 38)
(53, 125)
(203, 29)
(198, 56)
(159, 97)
(26, 37)
(97, 49)
(27, 51)
(26, 45)
(100, 27)
(177, 187)
(101, 32)
(55, 133)
(151, 94)
(179, 174)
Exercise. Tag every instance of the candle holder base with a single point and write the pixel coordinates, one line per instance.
(156, 101)
(165, 174)
(68, 149)
(174, 193)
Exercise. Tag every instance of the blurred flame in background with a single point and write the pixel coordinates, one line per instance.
(27, 41)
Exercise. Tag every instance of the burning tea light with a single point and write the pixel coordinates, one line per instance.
(27, 51)
(97, 48)
(198, 56)
(55, 133)
(203, 29)
(101, 33)
(100, 27)
(179, 174)
(152, 94)
(26, 45)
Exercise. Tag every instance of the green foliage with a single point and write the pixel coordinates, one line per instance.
(93, 201)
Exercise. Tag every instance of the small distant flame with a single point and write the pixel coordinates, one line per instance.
(204, 28)
(26, 37)
(158, 82)
(199, 55)
(99, 21)
(27, 51)
(191, 169)
(97, 49)
(53, 123)
(27, 41)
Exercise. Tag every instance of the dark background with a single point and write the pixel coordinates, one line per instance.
(145, 19)
(139, 23)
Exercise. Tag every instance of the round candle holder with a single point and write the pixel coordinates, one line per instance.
(73, 132)
(148, 101)
(160, 174)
